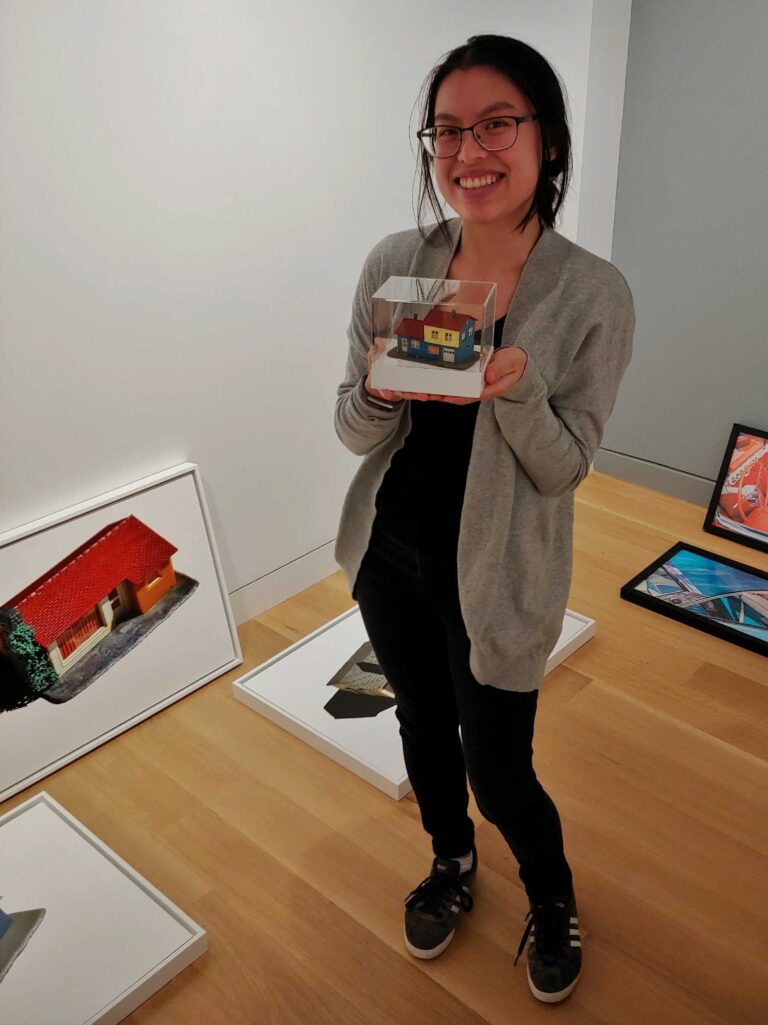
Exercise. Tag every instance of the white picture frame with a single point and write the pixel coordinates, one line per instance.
(292, 690)
(108, 939)
(181, 642)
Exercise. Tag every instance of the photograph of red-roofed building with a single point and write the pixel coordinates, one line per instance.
(443, 336)
(118, 574)
(110, 610)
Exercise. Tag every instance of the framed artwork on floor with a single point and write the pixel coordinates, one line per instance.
(709, 592)
(738, 509)
(84, 939)
(329, 690)
(109, 611)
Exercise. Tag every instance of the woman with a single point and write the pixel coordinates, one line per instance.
(456, 532)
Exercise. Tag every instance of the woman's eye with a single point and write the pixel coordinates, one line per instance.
(445, 133)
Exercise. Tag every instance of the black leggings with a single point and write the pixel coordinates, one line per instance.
(409, 603)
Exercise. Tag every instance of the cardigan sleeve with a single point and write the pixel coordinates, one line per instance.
(361, 423)
(555, 438)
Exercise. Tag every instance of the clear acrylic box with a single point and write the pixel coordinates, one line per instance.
(432, 335)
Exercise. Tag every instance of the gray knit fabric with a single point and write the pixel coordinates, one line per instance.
(573, 314)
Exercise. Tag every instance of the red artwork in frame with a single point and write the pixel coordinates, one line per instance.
(738, 509)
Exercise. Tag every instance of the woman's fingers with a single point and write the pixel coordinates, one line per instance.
(499, 386)
(427, 397)
(418, 395)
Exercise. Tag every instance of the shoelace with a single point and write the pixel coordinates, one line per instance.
(552, 930)
(436, 895)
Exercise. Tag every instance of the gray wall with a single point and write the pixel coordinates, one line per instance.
(690, 237)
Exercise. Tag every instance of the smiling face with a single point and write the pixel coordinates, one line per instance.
(464, 97)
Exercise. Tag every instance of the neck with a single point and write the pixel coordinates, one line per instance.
(497, 244)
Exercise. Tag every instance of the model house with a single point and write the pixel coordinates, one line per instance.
(120, 572)
(441, 337)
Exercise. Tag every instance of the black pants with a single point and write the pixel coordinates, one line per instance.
(409, 602)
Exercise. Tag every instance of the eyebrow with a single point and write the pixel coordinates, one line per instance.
(493, 106)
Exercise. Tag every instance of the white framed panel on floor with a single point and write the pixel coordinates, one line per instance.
(294, 690)
(110, 610)
(104, 939)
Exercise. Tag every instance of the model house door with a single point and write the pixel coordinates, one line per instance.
(77, 634)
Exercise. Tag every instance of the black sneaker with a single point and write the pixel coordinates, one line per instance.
(432, 909)
(554, 949)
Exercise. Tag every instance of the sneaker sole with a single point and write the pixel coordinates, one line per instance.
(551, 998)
(426, 955)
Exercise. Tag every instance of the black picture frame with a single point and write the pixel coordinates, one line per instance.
(709, 622)
(737, 532)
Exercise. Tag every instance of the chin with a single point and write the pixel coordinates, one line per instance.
(469, 213)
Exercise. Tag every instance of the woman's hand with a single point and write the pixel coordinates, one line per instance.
(505, 368)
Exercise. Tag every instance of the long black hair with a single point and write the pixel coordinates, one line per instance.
(535, 77)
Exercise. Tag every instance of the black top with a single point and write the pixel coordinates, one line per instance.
(421, 495)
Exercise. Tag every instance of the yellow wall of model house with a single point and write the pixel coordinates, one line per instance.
(451, 338)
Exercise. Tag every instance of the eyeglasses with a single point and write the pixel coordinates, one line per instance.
(493, 133)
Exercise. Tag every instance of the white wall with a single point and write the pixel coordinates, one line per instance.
(187, 192)
(602, 128)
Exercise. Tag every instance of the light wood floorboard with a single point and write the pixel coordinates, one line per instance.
(652, 740)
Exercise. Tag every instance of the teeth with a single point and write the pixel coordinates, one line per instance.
(475, 183)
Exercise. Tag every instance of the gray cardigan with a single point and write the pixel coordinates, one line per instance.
(573, 314)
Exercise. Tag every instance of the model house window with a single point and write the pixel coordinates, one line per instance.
(435, 349)
(447, 336)
(114, 599)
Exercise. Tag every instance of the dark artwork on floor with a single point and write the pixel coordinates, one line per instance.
(363, 690)
(708, 592)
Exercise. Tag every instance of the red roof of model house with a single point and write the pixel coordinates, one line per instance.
(450, 321)
(124, 550)
(411, 327)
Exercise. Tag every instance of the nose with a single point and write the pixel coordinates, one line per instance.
(470, 148)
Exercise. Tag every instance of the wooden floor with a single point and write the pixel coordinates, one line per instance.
(652, 740)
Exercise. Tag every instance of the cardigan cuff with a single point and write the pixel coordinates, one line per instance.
(371, 404)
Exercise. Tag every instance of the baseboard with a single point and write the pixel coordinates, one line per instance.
(665, 479)
(283, 582)
(286, 581)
